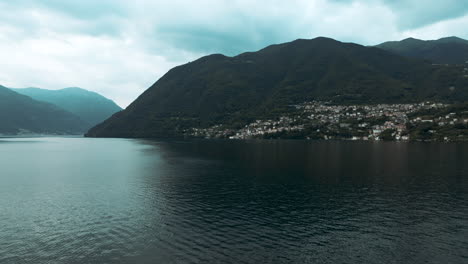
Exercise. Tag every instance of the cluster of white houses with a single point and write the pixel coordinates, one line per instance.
(261, 128)
(369, 120)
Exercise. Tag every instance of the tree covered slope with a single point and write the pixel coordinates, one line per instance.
(234, 90)
(451, 50)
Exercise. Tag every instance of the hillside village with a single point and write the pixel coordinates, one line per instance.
(324, 120)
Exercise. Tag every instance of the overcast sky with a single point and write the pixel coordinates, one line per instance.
(121, 47)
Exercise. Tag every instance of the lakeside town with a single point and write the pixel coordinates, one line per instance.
(425, 121)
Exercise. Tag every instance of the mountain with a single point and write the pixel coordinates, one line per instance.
(22, 114)
(451, 50)
(91, 107)
(256, 85)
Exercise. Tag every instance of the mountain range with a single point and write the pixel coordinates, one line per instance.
(233, 91)
(41, 111)
(451, 50)
(91, 107)
(22, 114)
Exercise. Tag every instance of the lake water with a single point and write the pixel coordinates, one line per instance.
(77, 200)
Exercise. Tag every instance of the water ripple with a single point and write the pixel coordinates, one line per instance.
(199, 202)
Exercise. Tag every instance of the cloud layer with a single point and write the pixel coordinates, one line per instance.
(119, 48)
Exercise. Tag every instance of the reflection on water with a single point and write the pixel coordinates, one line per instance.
(137, 201)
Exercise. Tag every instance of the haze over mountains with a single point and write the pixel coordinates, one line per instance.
(22, 114)
(91, 107)
(235, 90)
(41, 111)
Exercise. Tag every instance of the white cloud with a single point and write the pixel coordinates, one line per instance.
(110, 66)
(452, 27)
(115, 66)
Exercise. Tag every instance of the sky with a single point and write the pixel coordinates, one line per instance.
(119, 48)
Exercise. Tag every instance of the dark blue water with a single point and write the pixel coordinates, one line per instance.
(75, 200)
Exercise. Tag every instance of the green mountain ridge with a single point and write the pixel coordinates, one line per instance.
(22, 114)
(450, 50)
(233, 91)
(91, 107)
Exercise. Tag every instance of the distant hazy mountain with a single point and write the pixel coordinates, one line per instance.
(236, 90)
(91, 107)
(451, 50)
(22, 114)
